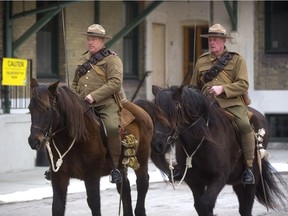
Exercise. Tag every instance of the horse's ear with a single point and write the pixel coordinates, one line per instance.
(53, 87)
(33, 83)
(178, 92)
(156, 89)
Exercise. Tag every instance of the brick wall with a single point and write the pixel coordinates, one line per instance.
(28, 49)
(1, 27)
(77, 17)
(270, 69)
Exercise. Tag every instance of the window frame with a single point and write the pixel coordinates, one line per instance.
(130, 43)
(268, 31)
(50, 28)
(277, 125)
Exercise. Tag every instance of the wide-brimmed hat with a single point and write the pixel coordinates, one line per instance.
(96, 30)
(216, 30)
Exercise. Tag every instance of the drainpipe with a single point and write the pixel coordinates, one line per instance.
(7, 51)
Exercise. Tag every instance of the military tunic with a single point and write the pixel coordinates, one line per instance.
(102, 81)
(234, 80)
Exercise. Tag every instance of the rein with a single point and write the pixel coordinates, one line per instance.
(171, 140)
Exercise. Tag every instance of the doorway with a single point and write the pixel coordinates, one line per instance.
(158, 54)
(193, 47)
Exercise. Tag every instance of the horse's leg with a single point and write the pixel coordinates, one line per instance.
(205, 199)
(245, 195)
(142, 183)
(93, 195)
(197, 191)
(59, 185)
(125, 192)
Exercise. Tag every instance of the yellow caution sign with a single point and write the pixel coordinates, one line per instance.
(14, 72)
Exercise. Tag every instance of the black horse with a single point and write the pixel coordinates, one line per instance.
(208, 151)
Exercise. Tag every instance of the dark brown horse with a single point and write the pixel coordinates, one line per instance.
(208, 151)
(69, 128)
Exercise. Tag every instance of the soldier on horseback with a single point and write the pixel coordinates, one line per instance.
(222, 75)
(98, 78)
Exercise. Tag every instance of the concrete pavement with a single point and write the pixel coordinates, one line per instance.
(31, 184)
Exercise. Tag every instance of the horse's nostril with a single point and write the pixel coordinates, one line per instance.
(35, 144)
(159, 147)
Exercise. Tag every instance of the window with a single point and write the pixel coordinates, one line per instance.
(276, 26)
(278, 127)
(47, 46)
(131, 42)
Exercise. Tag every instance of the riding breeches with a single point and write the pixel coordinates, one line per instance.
(241, 118)
(245, 130)
(110, 115)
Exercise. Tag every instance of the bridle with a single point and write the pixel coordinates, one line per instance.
(172, 139)
(176, 134)
(48, 137)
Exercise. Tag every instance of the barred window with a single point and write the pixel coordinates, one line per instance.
(276, 27)
(278, 127)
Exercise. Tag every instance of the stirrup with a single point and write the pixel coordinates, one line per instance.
(248, 177)
(115, 176)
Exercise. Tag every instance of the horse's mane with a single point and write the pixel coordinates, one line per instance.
(75, 109)
(72, 109)
(185, 105)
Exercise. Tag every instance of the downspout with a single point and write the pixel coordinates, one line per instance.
(5, 90)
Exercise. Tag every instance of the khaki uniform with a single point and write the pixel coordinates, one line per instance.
(102, 81)
(234, 80)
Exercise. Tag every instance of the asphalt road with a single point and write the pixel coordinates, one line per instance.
(162, 200)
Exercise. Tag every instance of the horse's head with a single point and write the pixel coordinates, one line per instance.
(42, 106)
(168, 102)
(161, 126)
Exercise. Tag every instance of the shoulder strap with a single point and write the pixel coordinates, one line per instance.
(217, 67)
(94, 59)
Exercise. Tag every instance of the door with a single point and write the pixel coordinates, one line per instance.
(158, 55)
(194, 46)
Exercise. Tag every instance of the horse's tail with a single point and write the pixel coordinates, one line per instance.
(271, 191)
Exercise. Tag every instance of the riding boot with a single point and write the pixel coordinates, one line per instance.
(248, 148)
(114, 147)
